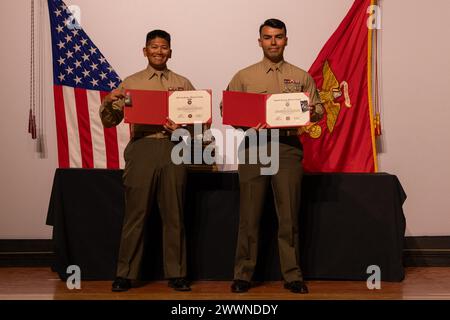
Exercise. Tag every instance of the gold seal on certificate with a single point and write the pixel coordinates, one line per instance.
(287, 110)
(188, 107)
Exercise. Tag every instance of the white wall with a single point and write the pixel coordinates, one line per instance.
(211, 41)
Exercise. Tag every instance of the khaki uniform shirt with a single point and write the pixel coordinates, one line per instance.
(269, 78)
(148, 79)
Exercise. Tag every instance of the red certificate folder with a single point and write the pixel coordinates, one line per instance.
(152, 107)
(245, 109)
(146, 107)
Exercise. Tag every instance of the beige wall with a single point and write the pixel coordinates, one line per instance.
(415, 84)
(212, 40)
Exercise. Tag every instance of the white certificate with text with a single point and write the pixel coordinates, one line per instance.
(287, 110)
(188, 107)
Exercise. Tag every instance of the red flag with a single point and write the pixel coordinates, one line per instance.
(343, 141)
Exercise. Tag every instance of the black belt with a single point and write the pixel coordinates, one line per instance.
(284, 132)
(288, 132)
(143, 134)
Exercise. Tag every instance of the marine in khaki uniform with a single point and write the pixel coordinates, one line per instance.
(149, 172)
(273, 75)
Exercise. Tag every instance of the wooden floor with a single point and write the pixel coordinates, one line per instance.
(43, 284)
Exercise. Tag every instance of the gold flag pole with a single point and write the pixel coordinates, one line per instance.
(371, 58)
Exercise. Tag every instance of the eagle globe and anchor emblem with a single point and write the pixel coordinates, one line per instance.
(330, 91)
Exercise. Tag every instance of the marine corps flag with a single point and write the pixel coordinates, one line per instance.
(344, 140)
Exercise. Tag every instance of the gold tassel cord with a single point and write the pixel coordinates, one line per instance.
(41, 85)
(377, 95)
(31, 113)
(36, 113)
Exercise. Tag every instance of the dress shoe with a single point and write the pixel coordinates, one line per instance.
(296, 286)
(121, 284)
(240, 286)
(179, 284)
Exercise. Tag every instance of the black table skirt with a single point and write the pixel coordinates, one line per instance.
(347, 223)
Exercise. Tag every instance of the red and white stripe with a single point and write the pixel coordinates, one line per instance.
(83, 142)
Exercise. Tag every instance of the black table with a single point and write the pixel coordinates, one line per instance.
(347, 223)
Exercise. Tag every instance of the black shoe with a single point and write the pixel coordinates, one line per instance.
(240, 286)
(121, 284)
(179, 284)
(296, 286)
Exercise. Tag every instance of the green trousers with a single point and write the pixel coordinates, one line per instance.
(286, 187)
(150, 175)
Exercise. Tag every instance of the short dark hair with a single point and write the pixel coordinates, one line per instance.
(158, 34)
(273, 23)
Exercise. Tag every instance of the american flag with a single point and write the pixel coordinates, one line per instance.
(81, 78)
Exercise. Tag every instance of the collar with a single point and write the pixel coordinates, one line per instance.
(269, 65)
(152, 72)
